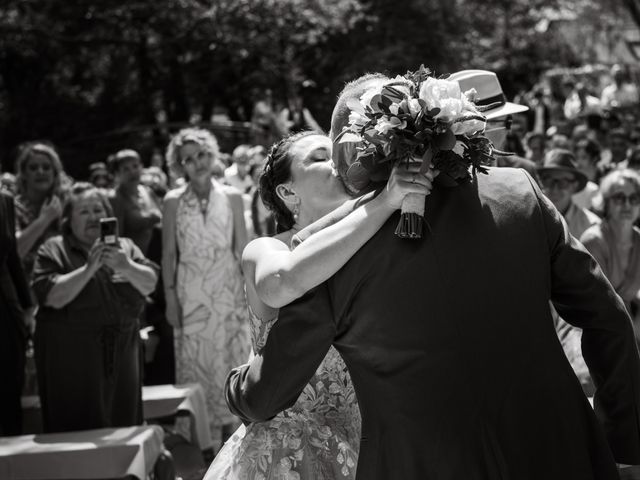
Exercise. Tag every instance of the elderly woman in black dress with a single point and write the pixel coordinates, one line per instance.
(86, 341)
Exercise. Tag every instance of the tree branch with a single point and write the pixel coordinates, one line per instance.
(39, 32)
(97, 40)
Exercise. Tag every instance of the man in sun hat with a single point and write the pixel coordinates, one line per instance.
(450, 343)
(499, 115)
(560, 180)
(489, 93)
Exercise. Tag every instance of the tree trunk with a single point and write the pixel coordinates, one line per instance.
(145, 84)
(22, 78)
(147, 90)
(633, 6)
(175, 95)
(209, 97)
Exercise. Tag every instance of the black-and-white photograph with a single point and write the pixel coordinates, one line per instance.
(319, 240)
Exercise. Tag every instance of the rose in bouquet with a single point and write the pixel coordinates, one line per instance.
(416, 117)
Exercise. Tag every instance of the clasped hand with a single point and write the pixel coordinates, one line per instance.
(52, 209)
(109, 255)
(405, 179)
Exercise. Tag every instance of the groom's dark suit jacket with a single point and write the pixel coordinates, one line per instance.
(452, 350)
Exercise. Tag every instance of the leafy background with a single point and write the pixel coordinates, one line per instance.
(94, 76)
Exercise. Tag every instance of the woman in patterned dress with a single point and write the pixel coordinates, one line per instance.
(203, 235)
(318, 438)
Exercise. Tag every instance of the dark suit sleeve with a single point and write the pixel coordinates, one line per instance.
(14, 264)
(296, 345)
(584, 297)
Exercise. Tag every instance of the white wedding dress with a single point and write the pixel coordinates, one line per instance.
(317, 439)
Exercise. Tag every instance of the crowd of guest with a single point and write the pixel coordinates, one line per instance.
(173, 274)
(175, 268)
(586, 156)
(584, 150)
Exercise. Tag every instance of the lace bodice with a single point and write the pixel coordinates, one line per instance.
(317, 438)
(331, 385)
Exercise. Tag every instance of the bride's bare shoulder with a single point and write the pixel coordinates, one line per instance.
(259, 247)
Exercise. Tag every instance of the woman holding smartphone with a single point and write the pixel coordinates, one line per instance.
(91, 295)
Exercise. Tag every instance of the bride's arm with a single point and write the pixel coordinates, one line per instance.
(278, 276)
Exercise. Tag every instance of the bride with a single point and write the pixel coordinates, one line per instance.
(318, 437)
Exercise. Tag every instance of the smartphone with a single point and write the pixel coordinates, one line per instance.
(109, 230)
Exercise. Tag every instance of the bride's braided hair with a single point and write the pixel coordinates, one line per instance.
(277, 170)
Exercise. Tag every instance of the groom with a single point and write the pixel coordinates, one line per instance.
(450, 343)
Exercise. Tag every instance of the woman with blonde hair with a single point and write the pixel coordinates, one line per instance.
(615, 243)
(40, 199)
(204, 234)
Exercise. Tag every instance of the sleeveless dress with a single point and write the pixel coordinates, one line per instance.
(316, 439)
(214, 336)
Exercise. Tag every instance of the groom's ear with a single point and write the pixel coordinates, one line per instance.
(286, 193)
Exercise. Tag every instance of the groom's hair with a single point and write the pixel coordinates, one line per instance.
(354, 89)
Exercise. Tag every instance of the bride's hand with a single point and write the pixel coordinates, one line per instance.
(406, 178)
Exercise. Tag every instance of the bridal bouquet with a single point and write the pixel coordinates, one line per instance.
(416, 117)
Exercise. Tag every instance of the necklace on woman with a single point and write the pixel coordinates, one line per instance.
(203, 200)
(204, 204)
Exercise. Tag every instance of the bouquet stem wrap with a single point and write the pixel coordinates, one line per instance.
(412, 216)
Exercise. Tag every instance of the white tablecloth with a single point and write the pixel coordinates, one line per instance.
(164, 400)
(103, 453)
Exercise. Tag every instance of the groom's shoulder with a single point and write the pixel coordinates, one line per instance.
(506, 172)
(507, 179)
(508, 190)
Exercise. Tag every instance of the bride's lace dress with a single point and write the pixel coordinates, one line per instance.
(316, 439)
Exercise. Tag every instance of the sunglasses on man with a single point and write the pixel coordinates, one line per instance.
(498, 123)
(549, 183)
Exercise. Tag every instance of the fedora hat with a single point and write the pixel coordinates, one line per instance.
(559, 160)
(489, 92)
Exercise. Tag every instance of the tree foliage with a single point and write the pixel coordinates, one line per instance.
(95, 75)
